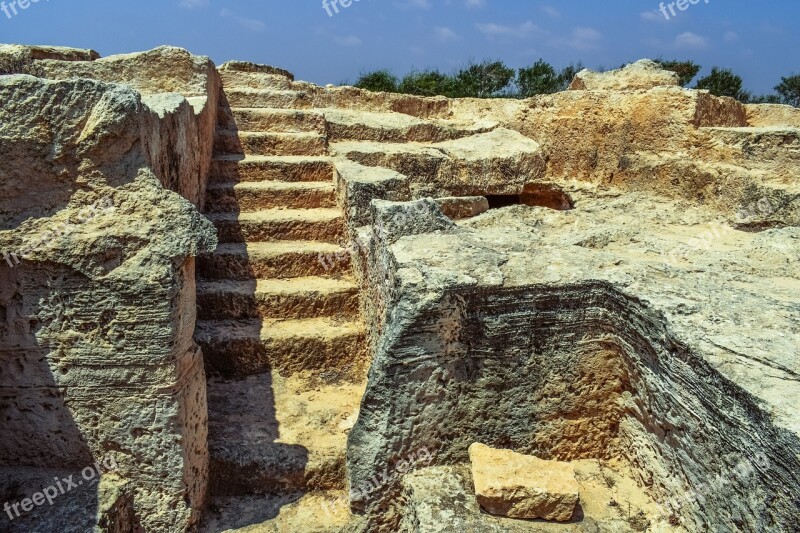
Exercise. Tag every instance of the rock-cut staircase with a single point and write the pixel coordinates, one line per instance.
(279, 328)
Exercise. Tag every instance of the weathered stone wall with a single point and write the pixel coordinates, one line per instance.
(637, 134)
(105, 162)
(558, 370)
(97, 299)
(183, 90)
(641, 75)
(668, 141)
(644, 135)
(772, 115)
(29, 53)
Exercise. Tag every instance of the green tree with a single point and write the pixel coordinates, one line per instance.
(723, 82)
(686, 70)
(379, 80)
(483, 80)
(428, 83)
(568, 73)
(789, 90)
(541, 78)
(766, 99)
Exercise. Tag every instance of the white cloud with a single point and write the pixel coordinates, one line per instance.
(445, 34)
(652, 16)
(580, 38)
(418, 4)
(193, 4)
(498, 30)
(472, 4)
(585, 38)
(247, 23)
(551, 12)
(350, 40)
(690, 40)
(730, 37)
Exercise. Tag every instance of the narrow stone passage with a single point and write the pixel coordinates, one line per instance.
(280, 329)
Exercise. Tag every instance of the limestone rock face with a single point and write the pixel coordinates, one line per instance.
(605, 316)
(359, 185)
(394, 220)
(246, 66)
(772, 115)
(520, 486)
(641, 75)
(61, 53)
(98, 299)
(107, 506)
(497, 162)
(162, 70)
(495, 316)
(463, 206)
(176, 84)
(440, 499)
(362, 125)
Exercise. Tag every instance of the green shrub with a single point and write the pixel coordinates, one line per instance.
(541, 78)
(428, 83)
(789, 90)
(766, 99)
(723, 82)
(379, 80)
(686, 70)
(483, 80)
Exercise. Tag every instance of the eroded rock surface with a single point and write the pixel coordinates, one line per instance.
(641, 75)
(98, 298)
(623, 300)
(582, 360)
(497, 162)
(579, 367)
(32, 53)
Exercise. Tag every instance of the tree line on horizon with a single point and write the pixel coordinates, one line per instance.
(492, 79)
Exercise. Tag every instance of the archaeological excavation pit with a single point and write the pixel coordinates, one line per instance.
(299, 307)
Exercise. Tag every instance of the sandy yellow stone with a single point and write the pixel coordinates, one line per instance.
(522, 486)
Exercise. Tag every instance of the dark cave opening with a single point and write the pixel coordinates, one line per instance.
(497, 201)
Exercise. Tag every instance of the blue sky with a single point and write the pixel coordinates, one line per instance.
(759, 40)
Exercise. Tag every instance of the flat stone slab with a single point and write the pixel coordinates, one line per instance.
(523, 486)
(500, 161)
(440, 499)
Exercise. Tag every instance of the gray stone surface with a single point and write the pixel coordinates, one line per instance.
(358, 185)
(182, 90)
(460, 207)
(570, 334)
(97, 295)
(78, 505)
